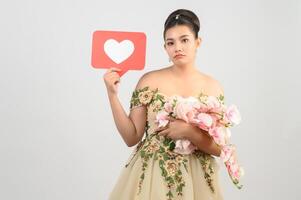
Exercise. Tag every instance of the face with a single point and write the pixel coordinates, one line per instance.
(181, 44)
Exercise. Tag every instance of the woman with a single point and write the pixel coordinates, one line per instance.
(154, 171)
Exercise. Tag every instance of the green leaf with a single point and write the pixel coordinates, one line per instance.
(142, 153)
(165, 157)
(172, 145)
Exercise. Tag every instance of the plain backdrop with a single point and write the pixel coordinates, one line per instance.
(58, 140)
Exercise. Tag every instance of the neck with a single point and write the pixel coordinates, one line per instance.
(184, 70)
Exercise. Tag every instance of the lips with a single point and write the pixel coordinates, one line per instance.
(179, 56)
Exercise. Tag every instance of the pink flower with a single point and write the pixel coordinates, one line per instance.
(213, 102)
(204, 121)
(162, 118)
(227, 152)
(168, 106)
(235, 170)
(209, 114)
(233, 115)
(218, 134)
(184, 109)
(228, 155)
(196, 104)
(184, 147)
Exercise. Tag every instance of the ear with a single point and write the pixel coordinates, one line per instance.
(199, 41)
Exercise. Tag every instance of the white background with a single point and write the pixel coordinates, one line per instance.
(58, 140)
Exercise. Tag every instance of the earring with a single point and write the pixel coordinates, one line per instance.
(169, 59)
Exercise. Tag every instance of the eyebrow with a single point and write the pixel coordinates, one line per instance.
(180, 37)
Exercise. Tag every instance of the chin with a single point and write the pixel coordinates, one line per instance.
(180, 62)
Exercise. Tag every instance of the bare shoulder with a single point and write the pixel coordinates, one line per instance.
(215, 87)
(150, 79)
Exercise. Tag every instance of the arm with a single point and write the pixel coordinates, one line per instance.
(200, 138)
(131, 128)
(125, 124)
(203, 141)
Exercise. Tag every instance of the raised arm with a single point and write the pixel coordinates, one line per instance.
(131, 128)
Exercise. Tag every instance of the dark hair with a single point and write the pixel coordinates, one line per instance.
(182, 17)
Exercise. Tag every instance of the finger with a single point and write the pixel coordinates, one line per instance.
(171, 118)
(114, 77)
(163, 132)
(117, 81)
(163, 127)
(114, 69)
(160, 129)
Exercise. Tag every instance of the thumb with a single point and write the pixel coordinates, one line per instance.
(116, 69)
(171, 118)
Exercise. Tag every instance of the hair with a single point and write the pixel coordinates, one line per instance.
(182, 17)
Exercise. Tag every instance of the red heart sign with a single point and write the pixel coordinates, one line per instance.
(123, 50)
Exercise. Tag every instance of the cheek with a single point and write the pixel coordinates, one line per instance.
(169, 51)
(189, 47)
(192, 49)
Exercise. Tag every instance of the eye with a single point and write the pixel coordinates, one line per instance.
(185, 40)
(169, 43)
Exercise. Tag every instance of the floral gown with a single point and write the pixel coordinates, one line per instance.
(153, 172)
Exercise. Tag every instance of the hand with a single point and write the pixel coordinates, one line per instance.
(176, 129)
(112, 79)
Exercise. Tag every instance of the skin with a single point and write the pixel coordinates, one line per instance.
(183, 79)
(181, 40)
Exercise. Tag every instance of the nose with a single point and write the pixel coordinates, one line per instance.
(178, 47)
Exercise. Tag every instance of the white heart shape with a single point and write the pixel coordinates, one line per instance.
(118, 52)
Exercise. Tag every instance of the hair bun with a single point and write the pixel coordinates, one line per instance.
(191, 17)
(185, 17)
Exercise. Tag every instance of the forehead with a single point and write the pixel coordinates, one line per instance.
(178, 31)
